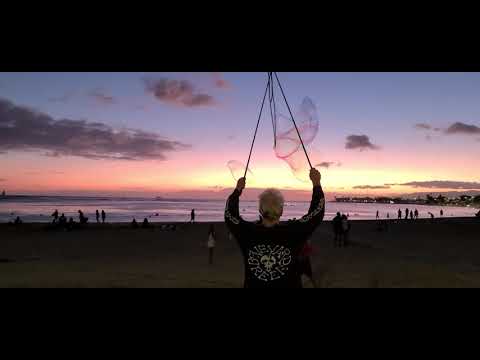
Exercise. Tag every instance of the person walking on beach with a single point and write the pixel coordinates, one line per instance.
(337, 230)
(55, 217)
(104, 216)
(406, 213)
(416, 214)
(82, 218)
(441, 212)
(378, 215)
(211, 243)
(271, 249)
(388, 215)
(97, 214)
(345, 230)
(411, 215)
(399, 214)
(192, 216)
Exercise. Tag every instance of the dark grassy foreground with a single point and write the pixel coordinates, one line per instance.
(443, 253)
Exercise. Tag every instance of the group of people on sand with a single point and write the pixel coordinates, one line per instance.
(61, 221)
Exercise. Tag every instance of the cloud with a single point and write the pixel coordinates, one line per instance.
(428, 138)
(102, 97)
(371, 187)
(178, 92)
(3, 180)
(462, 128)
(325, 164)
(219, 81)
(423, 126)
(22, 128)
(443, 184)
(361, 142)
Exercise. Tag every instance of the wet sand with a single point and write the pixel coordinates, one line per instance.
(421, 253)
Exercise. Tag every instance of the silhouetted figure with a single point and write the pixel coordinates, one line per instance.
(18, 221)
(399, 214)
(62, 221)
(192, 216)
(477, 214)
(211, 243)
(134, 224)
(104, 216)
(55, 216)
(4, 194)
(378, 215)
(441, 212)
(71, 224)
(83, 220)
(145, 224)
(416, 214)
(431, 215)
(388, 215)
(97, 215)
(411, 215)
(406, 213)
(345, 230)
(337, 230)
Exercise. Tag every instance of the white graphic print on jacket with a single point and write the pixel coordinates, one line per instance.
(269, 264)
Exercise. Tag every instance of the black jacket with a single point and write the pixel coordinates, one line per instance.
(270, 253)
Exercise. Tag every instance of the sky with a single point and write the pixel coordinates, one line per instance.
(172, 133)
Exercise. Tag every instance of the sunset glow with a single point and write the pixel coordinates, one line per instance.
(161, 134)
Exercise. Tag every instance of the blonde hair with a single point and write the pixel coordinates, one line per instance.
(271, 203)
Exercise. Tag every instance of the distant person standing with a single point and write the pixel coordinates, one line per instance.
(411, 215)
(82, 218)
(345, 230)
(441, 212)
(378, 215)
(192, 216)
(416, 214)
(55, 216)
(388, 215)
(337, 230)
(211, 243)
(399, 214)
(431, 215)
(406, 213)
(104, 216)
(97, 214)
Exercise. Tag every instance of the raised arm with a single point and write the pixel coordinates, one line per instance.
(316, 212)
(232, 211)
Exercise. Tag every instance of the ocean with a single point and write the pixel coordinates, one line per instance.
(40, 208)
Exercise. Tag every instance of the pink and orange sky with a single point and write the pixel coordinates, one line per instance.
(161, 134)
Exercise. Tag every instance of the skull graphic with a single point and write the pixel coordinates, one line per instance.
(268, 261)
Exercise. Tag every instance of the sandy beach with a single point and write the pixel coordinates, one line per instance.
(422, 253)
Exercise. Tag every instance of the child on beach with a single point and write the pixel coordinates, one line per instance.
(211, 244)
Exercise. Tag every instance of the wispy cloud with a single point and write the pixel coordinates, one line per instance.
(360, 142)
(328, 164)
(463, 129)
(22, 128)
(371, 187)
(423, 126)
(102, 97)
(178, 92)
(442, 184)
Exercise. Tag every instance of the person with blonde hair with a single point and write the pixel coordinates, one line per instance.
(271, 249)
